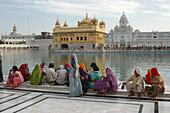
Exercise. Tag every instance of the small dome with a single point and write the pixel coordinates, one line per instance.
(102, 23)
(123, 16)
(111, 31)
(116, 27)
(65, 24)
(129, 28)
(94, 21)
(14, 28)
(57, 22)
(137, 31)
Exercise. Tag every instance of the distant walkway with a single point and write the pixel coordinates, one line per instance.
(110, 51)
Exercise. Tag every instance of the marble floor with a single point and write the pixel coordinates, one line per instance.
(37, 102)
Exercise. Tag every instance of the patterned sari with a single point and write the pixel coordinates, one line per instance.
(15, 81)
(75, 83)
(109, 84)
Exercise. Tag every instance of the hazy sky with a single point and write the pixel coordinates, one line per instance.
(145, 15)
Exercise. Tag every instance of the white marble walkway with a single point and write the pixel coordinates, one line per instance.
(38, 102)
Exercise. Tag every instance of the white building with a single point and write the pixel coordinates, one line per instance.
(18, 41)
(153, 39)
(124, 36)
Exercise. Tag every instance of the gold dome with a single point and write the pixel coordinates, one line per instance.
(57, 23)
(86, 21)
(65, 24)
(94, 20)
(102, 23)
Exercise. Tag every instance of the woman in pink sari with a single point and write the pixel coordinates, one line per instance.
(15, 78)
(108, 83)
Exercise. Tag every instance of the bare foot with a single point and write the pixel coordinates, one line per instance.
(156, 97)
(131, 94)
(52, 84)
(139, 95)
(153, 95)
(103, 94)
(70, 96)
(6, 86)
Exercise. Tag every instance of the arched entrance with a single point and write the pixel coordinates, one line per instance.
(64, 46)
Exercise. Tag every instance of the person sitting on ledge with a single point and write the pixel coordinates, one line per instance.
(136, 85)
(15, 78)
(61, 75)
(147, 77)
(83, 78)
(158, 86)
(25, 72)
(108, 83)
(41, 67)
(67, 67)
(92, 65)
(37, 77)
(51, 75)
(94, 76)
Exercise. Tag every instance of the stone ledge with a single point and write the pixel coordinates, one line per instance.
(63, 89)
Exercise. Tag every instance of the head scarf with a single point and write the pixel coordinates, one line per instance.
(67, 65)
(61, 67)
(112, 80)
(154, 71)
(149, 71)
(22, 69)
(95, 68)
(82, 66)
(93, 64)
(138, 70)
(75, 58)
(41, 66)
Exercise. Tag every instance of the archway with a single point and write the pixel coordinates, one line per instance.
(64, 46)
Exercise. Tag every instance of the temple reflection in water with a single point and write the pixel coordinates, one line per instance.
(122, 64)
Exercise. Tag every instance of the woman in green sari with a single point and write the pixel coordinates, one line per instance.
(37, 77)
(94, 76)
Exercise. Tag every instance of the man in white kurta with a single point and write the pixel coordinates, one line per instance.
(136, 85)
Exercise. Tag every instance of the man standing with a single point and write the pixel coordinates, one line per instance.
(1, 73)
(136, 85)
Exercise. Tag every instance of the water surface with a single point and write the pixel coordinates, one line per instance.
(122, 64)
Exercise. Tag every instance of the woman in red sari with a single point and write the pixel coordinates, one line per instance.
(24, 71)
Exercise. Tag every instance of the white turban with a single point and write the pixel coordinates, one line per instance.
(61, 66)
(138, 70)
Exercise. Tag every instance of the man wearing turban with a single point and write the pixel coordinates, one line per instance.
(136, 85)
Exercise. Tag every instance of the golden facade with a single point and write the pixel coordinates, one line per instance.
(87, 35)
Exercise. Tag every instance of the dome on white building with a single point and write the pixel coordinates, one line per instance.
(116, 28)
(129, 28)
(123, 20)
(111, 31)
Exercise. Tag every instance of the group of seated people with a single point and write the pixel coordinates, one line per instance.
(92, 79)
(154, 83)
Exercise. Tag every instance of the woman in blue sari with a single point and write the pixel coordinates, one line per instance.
(74, 78)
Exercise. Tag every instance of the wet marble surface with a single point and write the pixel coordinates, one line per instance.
(37, 102)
